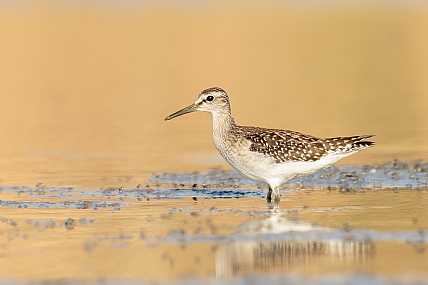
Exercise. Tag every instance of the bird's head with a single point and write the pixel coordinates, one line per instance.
(212, 100)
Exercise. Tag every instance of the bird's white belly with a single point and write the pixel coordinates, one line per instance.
(252, 167)
(263, 168)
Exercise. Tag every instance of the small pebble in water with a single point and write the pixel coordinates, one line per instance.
(377, 185)
(69, 224)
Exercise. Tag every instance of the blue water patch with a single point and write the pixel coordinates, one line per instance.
(375, 176)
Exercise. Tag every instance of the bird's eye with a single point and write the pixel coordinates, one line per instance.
(210, 98)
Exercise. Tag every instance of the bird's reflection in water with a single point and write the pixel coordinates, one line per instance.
(249, 257)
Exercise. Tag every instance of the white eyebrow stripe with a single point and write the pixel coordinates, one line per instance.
(200, 100)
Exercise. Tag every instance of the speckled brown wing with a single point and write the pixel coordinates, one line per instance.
(284, 145)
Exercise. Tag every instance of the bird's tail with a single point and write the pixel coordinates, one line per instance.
(347, 144)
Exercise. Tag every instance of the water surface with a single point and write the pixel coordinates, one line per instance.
(85, 87)
(220, 230)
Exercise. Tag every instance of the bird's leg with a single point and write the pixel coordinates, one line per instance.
(269, 195)
(276, 193)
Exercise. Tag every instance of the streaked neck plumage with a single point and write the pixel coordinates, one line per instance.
(223, 124)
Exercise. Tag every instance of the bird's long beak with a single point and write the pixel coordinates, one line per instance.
(188, 109)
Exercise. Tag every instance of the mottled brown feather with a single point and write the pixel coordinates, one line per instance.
(285, 145)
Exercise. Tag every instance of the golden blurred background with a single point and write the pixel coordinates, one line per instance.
(85, 85)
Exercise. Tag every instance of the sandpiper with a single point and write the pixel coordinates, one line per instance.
(272, 156)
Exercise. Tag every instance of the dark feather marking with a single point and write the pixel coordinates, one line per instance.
(284, 145)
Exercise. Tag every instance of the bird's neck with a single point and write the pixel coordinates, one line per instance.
(223, 123)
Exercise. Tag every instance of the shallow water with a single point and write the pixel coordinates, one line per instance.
(187, 230)
(85, 87)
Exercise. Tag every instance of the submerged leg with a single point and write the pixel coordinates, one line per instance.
(269, 195)
(276, 193)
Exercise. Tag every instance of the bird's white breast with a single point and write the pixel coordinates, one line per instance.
(263, 168)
